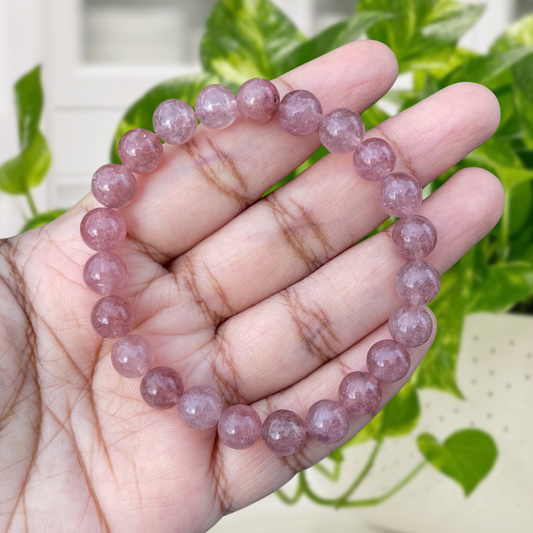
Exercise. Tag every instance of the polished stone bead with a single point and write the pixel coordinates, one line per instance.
(239, 427)
(201, 407)
(374, 159)
(216, 107)
(360, 393)
(417, 282)
(341, 131)
(105, 273)
(114, 185)
(284, 432)
(400, 194)
(112, 317)
(327, 421)
(161, 388)
(132, 356)
(140, 150)
(410, 326)
(258, 100)
(300, 113)
(174, 121)
(388, 361)
(103, 229)
(414, 237)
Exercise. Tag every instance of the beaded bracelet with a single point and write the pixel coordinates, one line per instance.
(201, 407)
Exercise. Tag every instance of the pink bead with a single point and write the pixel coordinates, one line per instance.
(140, 151)
(341, 131)
(216, 107)
(414, 237)
(258, 100)
(175, 121)
(201, 407)
(360, 393)
(400, 194)
(417, 282)
(161, 388)
(284, 432)
(374, 159)
(131, 356)
(327, 421)
(112, 317)
(388, 361)
(104, 273)
(103, 229)
(300, 113)
(239, 427)
(410, 326)
(114, 185)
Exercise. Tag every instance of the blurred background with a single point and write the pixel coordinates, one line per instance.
(453, 451)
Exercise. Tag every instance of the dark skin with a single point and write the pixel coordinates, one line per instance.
(264, 299)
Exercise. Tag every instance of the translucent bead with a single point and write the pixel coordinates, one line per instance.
(327, 421)
(341, 131)
(258, 100)
(105, 273)
(360, 393)
(388, 361)
(414, 237)
(114, 185)
(400, 194)
(374, 159)
(103, 229)
(140, 151)
(239, 427)
(112, 317)
(417, 282)
(300, 113)
(216, 107)
(131, 356)
(410, 326)
(174, 121)
(161, 388)
(201, 407)
(284, 432)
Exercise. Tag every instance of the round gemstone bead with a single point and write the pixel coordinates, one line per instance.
(360, 393)
(216, 107)
(174, 121)
(400, 194)
(417, 282)
(284, 432)
(112, 317)
(341, 131)
(410, 326)
(239, 427)
(388, 361)
(131, 356)
(140, 151)
(374, 159)
(300, 113)
(201, 407)
(327, 421)
(414, 237)
(104, 273)
(161, 388)
(103, 229)
(114, 185)
(258, 100)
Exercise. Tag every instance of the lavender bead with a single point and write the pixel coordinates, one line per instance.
(239, 427)
(104, 273)
(174, 121)
(417, 282)
(414, 237)
(114, 185)
(410, 326)
(112, 317)
(140, 151)
(161, 388)
(201, 407)
(216, 107)
(327, 421)
(284, 432)
(388, 361)
(258, 100)
(374, 159)
(341, 131)
(400, 194)
(103, 229)
(131, 356)
(360, 393)
(300, 113)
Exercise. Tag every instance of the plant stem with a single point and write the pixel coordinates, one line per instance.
(31, 203)
(332, 476)
(297, 495)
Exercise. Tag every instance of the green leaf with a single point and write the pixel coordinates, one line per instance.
(29, 104)
(42, 218)
(370, 431)
(517, 35)
(466, 456)
(337, 456)
(401, 414)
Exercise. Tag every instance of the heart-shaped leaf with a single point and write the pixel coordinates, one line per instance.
(29, 101)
